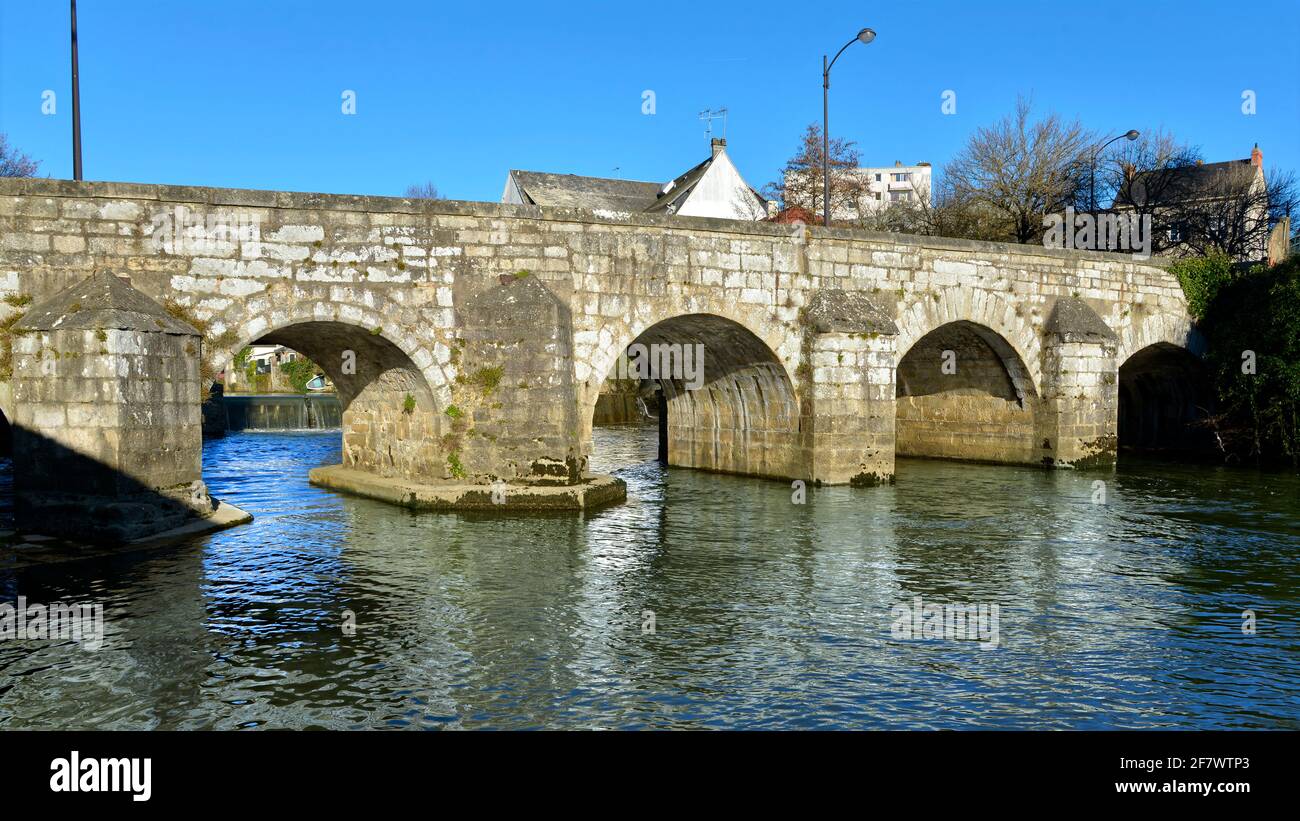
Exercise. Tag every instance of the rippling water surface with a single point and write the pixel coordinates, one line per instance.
(767, 614)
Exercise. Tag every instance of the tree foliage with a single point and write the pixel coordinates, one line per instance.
(1251, 321)
(300, 371)
(801, 183)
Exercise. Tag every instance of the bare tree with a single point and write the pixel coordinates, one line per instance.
(14, 163)
(1147, 177)
(1019, 170)
(801, 184)
(422, 191)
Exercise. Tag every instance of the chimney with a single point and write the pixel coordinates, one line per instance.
(719, 145)
(1257, 157)
(898, 163)
(772, 209)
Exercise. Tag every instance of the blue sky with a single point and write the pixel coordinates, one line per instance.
(248, 94)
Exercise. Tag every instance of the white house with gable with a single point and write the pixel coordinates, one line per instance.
(714, 188)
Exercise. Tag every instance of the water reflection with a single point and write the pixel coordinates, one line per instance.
(767, 613)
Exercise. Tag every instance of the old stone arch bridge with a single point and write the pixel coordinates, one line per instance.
(826, 352)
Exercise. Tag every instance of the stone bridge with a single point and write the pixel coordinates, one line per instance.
(469, 341)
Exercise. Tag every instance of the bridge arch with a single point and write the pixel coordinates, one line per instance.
(1166, 396)
(391, 408)
(962, 391)
(258, 317)
(984, 309)
(968, 377)
(732, 409)
(1142, 330)
(1165, 390)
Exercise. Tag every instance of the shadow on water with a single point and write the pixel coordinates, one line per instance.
(1118, 612)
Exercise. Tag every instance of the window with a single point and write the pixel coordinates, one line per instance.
(900, 196)
(877, 178)
(901, 177)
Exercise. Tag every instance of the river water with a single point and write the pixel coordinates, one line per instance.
(705, 601)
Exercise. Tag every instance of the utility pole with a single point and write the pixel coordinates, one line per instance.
(76, 101)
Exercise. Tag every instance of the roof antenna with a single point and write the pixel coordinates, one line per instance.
(711, 114)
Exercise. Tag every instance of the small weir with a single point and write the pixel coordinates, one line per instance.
(282, 412)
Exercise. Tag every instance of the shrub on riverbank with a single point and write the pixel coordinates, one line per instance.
(300, 371)
(1251, 322)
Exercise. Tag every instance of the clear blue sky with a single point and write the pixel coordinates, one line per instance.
(247, 93)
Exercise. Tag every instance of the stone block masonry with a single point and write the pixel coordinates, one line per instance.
(107, 428)
(455, 367)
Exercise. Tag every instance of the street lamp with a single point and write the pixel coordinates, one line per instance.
(864, 36)
(76, 101)
(1130, 135)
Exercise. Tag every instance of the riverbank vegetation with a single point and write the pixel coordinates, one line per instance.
(1251, 321)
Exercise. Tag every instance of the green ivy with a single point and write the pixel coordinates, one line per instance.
(1202, 278)
(1256, 310)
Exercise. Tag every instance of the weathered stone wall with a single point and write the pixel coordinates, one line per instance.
(417, 273)
(126, 400)
(107, 424)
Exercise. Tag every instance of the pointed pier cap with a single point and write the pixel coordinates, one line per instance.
(1072, 320)
(102, 302)
(833, 310)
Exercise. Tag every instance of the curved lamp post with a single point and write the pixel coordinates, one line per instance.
(864, 36)
(1130, 135)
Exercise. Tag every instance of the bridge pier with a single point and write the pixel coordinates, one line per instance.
(1079, 418)
(851, 350)
(107, 427)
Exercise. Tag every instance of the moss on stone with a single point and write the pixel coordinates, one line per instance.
(7, 334)
(487, 378)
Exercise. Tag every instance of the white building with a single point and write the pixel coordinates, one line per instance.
(881, 187)
(900, 183)
(714, 188)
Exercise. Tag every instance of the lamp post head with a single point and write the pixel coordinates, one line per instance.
(866, 36)
(1133, 134)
